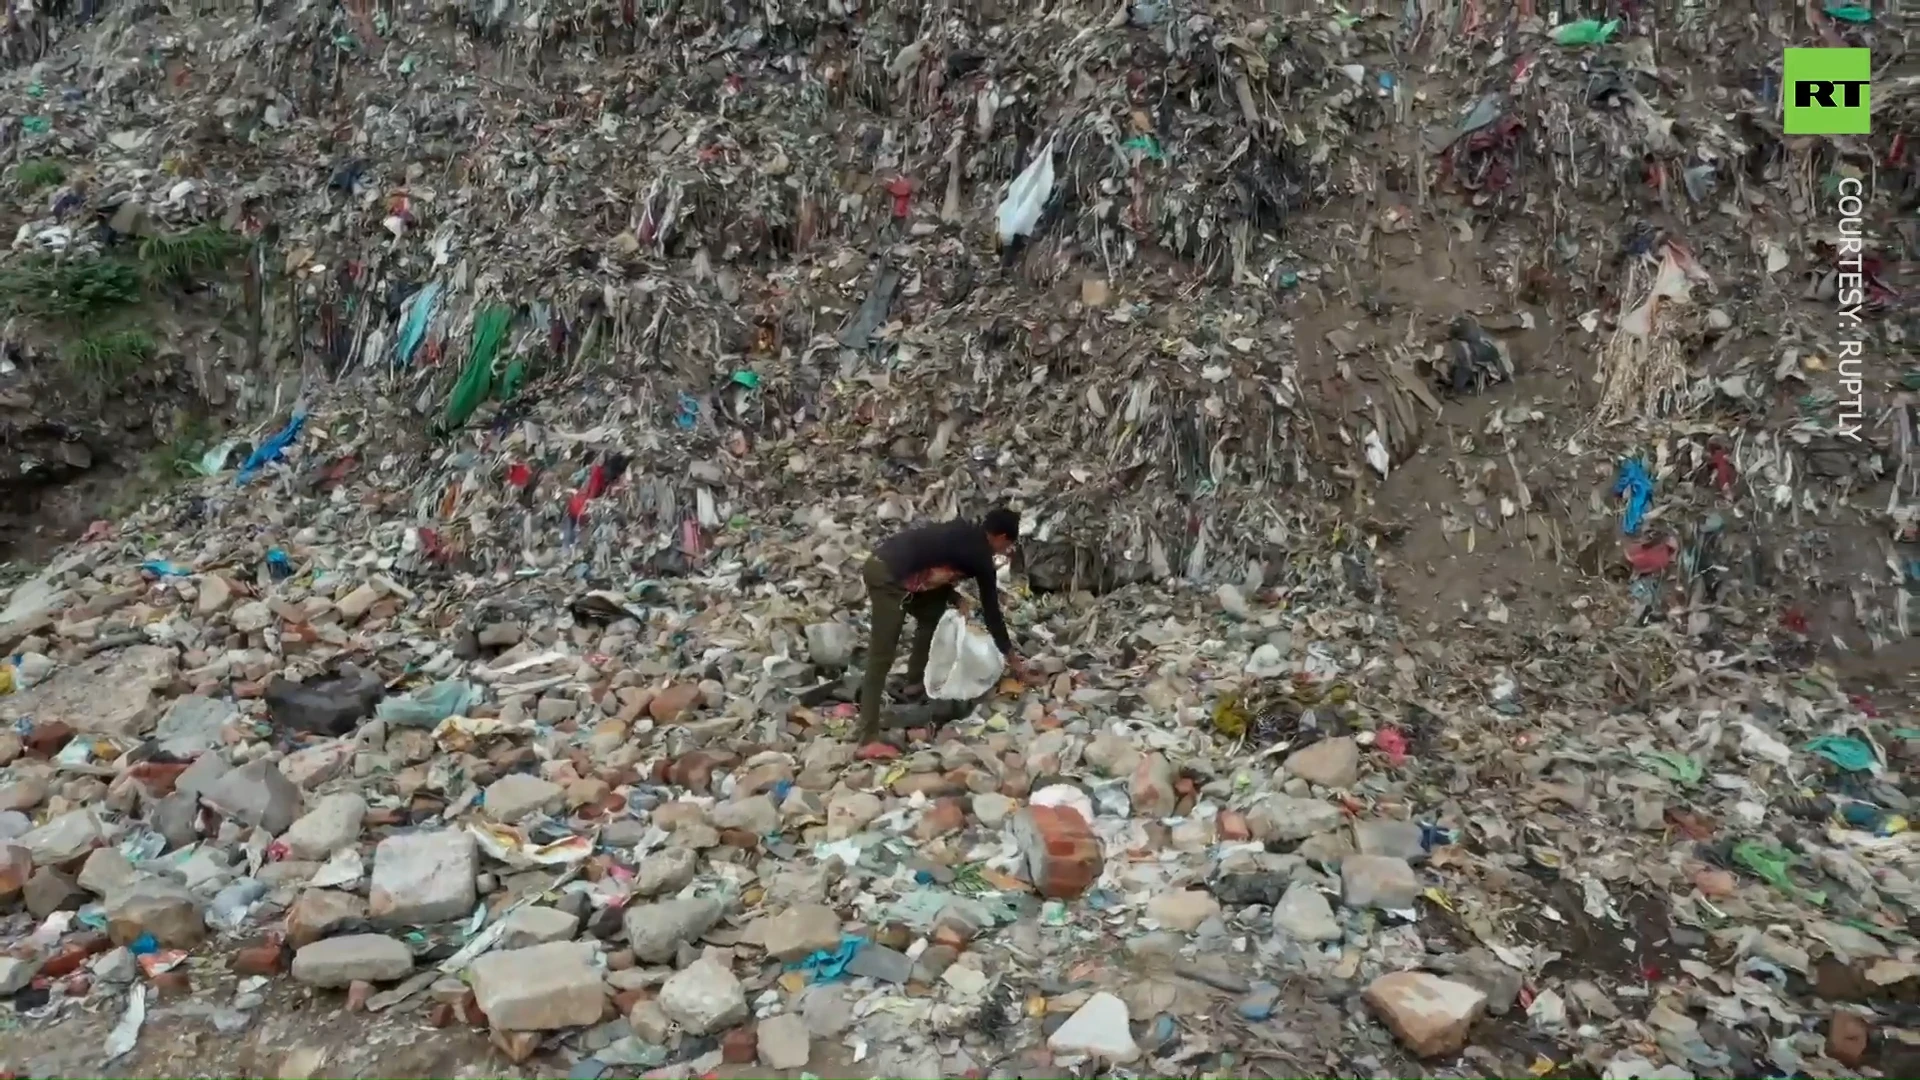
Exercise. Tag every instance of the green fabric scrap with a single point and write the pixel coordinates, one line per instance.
(1674, 766)
(1851, 754)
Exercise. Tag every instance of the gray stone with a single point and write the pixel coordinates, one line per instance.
(155, 905)
(336, 962)
(1285, 817)
(782, 1042)
(516, 795)
(192, 725)
(704, 998)
(756, 814)
(65, 838)
(666, 871)
(206, 770)
(802, 930)
(830, 645)
(1378, 881)
(23, 795)
(331, 825)
(993, 809)
(1304, 913)
(542, 988)
(1182, 909)
(532, 926)
(656, 931)
(118, 694)
(49, 890)
(256, 794)
(827, 1010)
(105, 871)
(176, 818)
(1332, 762)
(15, 974)
(649, 1021)
(422, 878)
(1396, 839)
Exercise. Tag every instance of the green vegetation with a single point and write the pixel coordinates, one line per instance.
(37, 175)
(168, 259)
(103, 361)
(50, 287)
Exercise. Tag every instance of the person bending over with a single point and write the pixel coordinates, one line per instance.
(913, 573)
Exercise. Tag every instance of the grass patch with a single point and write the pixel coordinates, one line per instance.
(105, 360)
(38, 175)
(48, 287)
(168, 259)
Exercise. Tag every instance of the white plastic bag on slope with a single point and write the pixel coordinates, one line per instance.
(1027, 196)
(961, 664)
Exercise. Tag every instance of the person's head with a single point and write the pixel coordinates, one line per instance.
(1003, 529)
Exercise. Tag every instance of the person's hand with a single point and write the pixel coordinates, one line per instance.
(1017, 666)
(961, 605)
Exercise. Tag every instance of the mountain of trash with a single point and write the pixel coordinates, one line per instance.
(1468, 460)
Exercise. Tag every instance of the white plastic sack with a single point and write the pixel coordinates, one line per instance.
(1027, 196)
(961, 664)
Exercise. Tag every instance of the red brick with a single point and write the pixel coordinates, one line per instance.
(1847, 1035)
(1062, 855)
(943, 817)
(1232, 825)
(739, 1046)
(674, 703)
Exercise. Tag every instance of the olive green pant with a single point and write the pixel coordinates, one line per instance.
(891, 604)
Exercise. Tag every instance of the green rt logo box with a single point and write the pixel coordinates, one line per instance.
(1827, 91)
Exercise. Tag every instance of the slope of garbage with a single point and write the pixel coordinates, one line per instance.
(1468, 485)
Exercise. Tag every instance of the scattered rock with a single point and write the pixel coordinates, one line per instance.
(338, 962)
(1428, 1014)
(704, 997)
(783, 1042)
(256, 794)
(332, 824)
(1378, 881)
(423, 878)
(542, 988)
(1331, 763)
(1183, 909)
(656, 931)
(1304, 913)
(1100, 1028)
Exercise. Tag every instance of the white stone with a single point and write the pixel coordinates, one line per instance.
(704, 997)
(1378, 881)
(783, 1042)
(1304, 913)
(1428, 1014)
(665, 871)
(534, 925)
(422, 878)
(803, 930)
(1332, 763)
(516, 795)
(543, 988)
(331, 825)
(336, 962)
(1182, 909)
(656, 931)
(1100, 1028)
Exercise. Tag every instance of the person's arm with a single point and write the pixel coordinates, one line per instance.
(989, 586)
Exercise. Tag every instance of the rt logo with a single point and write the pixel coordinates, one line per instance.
(1827, 91)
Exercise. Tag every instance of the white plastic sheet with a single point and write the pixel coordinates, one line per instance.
(1027, 196)
(961, 664)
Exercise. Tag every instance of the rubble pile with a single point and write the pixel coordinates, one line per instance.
(1434, 671)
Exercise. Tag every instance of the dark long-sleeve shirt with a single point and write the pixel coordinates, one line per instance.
(930, 556)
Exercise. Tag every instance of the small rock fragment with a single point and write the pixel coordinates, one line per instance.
(704, 997)
(1099, 1028)
(422, 878)
(337, 962)
(543, 988)
(1428, 1014)
(783, 1042)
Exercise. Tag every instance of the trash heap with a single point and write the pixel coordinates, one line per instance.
(488, 670)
